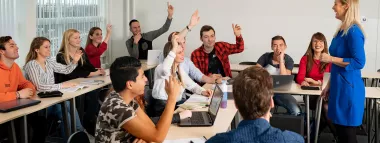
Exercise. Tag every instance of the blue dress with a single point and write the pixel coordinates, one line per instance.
(347, 91)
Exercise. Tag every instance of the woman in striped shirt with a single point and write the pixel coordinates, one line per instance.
(40, 68)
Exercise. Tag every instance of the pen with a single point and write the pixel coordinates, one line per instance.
(191, 141)
(205, 138)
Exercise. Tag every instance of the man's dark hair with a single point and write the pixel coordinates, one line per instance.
(124, 69)
(3, 41)
(252, 91)
(206, 28)
(133, 20)
(278, 37)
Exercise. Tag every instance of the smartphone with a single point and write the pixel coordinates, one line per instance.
(310, 88)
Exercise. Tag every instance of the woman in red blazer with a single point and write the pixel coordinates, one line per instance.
(94, 45)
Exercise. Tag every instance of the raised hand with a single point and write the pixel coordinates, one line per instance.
(109, 28)
(175, 40)
(194, 19)
(237, 30)
(78, 54)
(170, 11)
(172, 88)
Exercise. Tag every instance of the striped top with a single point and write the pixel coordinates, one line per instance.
(44, 80)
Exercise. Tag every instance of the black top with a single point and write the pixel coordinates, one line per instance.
(144, 46)
(214, 64)
(267, 59)
(81, 71)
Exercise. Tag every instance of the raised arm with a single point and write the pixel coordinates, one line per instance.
(239, 46)
(32, 71)
(154, 34)
(108, 35)
(143, 128)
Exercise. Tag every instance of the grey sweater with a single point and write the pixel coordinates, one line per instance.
(140, 50)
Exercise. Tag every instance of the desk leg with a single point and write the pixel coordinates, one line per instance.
(72, 115)
(65, 119)
(24, 130)
(376, 121)
(307, 118)
(12, 135)
(318, 118)
(369, 120)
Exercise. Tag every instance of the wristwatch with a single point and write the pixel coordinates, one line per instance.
(17, 95)
(187, 27)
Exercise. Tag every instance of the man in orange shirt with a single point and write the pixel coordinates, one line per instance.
(14, 86)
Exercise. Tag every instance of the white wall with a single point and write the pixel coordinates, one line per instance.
(296, 20)
(25, 27)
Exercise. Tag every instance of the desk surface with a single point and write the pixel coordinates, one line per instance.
(145, 66)
(47, 102)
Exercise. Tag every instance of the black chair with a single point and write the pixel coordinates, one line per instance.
(78, 137)
(378, 70)
(247, 63)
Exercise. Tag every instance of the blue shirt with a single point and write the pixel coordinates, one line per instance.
(256, 131)
(188, 67)
(347, 91)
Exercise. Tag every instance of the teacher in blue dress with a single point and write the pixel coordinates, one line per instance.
(345, 90)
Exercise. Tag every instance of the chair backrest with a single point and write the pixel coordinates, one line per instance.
(247, 63)
(78, 137)
(378, 70)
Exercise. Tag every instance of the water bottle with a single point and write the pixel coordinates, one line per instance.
(225, 94)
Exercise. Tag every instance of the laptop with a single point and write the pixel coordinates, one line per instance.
(153, 57)
(205, 118)
(282, 82)
(12, 105)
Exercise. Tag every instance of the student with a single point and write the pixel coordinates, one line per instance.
(40, 68)
(345, 89)
(15, 86)
(311, 71)
(187, 65)
(95, 47)
(139, 44)
(174, 54)
(71, 45)
(279, 63)
(129, 122)
(253, 96)
(212, 57)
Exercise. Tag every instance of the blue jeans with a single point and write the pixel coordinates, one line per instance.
(56, 110)
(288, 102)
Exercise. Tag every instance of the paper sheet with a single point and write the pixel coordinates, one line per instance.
(73, 89)
(195, 98)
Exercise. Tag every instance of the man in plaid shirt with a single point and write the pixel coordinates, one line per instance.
(212, 57)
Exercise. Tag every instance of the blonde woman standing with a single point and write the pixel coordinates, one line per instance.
(345, 90)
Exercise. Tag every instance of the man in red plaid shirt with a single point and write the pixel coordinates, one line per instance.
(212, 57)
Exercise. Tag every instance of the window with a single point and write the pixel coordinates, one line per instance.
(56, 16)
(7, 18)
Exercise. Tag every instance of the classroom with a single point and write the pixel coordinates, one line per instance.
(189, 71)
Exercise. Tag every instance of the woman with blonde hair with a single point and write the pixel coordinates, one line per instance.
(345, 89)
(71, 44)
(40, 68)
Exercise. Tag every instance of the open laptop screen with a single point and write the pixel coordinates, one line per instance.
(215, 102)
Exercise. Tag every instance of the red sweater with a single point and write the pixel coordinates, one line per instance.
(94, 53)
(314, 73)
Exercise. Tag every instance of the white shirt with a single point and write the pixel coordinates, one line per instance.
(44, 80)
(162, 73)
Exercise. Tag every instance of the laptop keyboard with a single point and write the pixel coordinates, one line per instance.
(197, 118)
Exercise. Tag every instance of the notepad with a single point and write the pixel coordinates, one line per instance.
(92, 82)
(187, 140)
(74, 89)
(195, 98)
